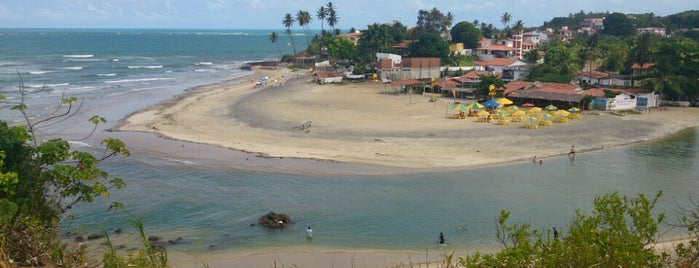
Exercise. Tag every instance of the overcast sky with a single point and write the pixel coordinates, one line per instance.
(268, 14)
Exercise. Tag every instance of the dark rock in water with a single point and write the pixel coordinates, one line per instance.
(79, 238)
(275, 220)
(94, 236)
(117, 230)
(157, 245)
(153, 238)
(176, 241)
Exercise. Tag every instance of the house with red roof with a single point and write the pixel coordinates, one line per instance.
(327, 77)
(563, 96)
(510, 69)
(566, 96)
(354, 36)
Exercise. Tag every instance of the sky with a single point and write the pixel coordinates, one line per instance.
(268, 14)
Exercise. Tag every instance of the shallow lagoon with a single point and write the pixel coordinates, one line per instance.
(212, 208)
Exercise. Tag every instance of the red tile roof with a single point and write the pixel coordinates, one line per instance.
(446, 84)
(497, 48)
(594, 74)
(473, 75)
(516, 85)
(645, 65)
(406, 82)
(545, 91)
(328, 74)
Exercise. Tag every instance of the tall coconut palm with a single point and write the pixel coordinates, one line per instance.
(288, 22)
(304, 20)
(321, 15)
(519, 27)
(448, 21)
(273, 37)
(332, 15)
(505, 19)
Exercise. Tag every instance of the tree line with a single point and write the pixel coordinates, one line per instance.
(671, 61)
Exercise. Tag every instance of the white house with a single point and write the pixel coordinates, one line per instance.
(328, 77)
(629, 101)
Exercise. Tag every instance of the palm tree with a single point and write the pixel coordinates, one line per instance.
(641, 52)
(304, 20)
(448, 21)
(273, 37)
(519, 27)
(505, 19)
(332, 15)
(288, 22)
(321, 14)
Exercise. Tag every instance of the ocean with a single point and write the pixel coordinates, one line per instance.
(211, 208)
(102, 63)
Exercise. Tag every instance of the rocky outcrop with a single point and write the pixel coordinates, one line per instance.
(275, 220)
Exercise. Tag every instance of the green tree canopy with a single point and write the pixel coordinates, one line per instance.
(466, 33)
(431, 21)
(616, 233)
(617, 24)
(430, 45)
(341, 48)
(42, 179)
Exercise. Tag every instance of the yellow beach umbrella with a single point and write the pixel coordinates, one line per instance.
(534, 110)
(483, 113)
(561, 113)
(502, 113)
(504, 101)
(474, 105)
(459, 107)
(518, 113)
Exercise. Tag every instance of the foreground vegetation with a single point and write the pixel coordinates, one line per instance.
(42, 179)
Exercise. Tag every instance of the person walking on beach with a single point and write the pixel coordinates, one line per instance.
(309, 232)
(572, 150)
(555, 233)
(441, 238)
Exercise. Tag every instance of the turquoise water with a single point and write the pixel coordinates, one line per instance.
(210, 207)
(132, 67)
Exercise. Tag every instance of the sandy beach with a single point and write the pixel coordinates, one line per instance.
(356, 129)
(362, 124)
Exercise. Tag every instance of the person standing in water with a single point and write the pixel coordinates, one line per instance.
(309, 232)
(441, 238)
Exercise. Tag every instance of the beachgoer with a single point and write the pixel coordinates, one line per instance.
(572, 150)
(441, 238)
(555, 233)
(534, 160)
(309, 232)
(541, 162)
